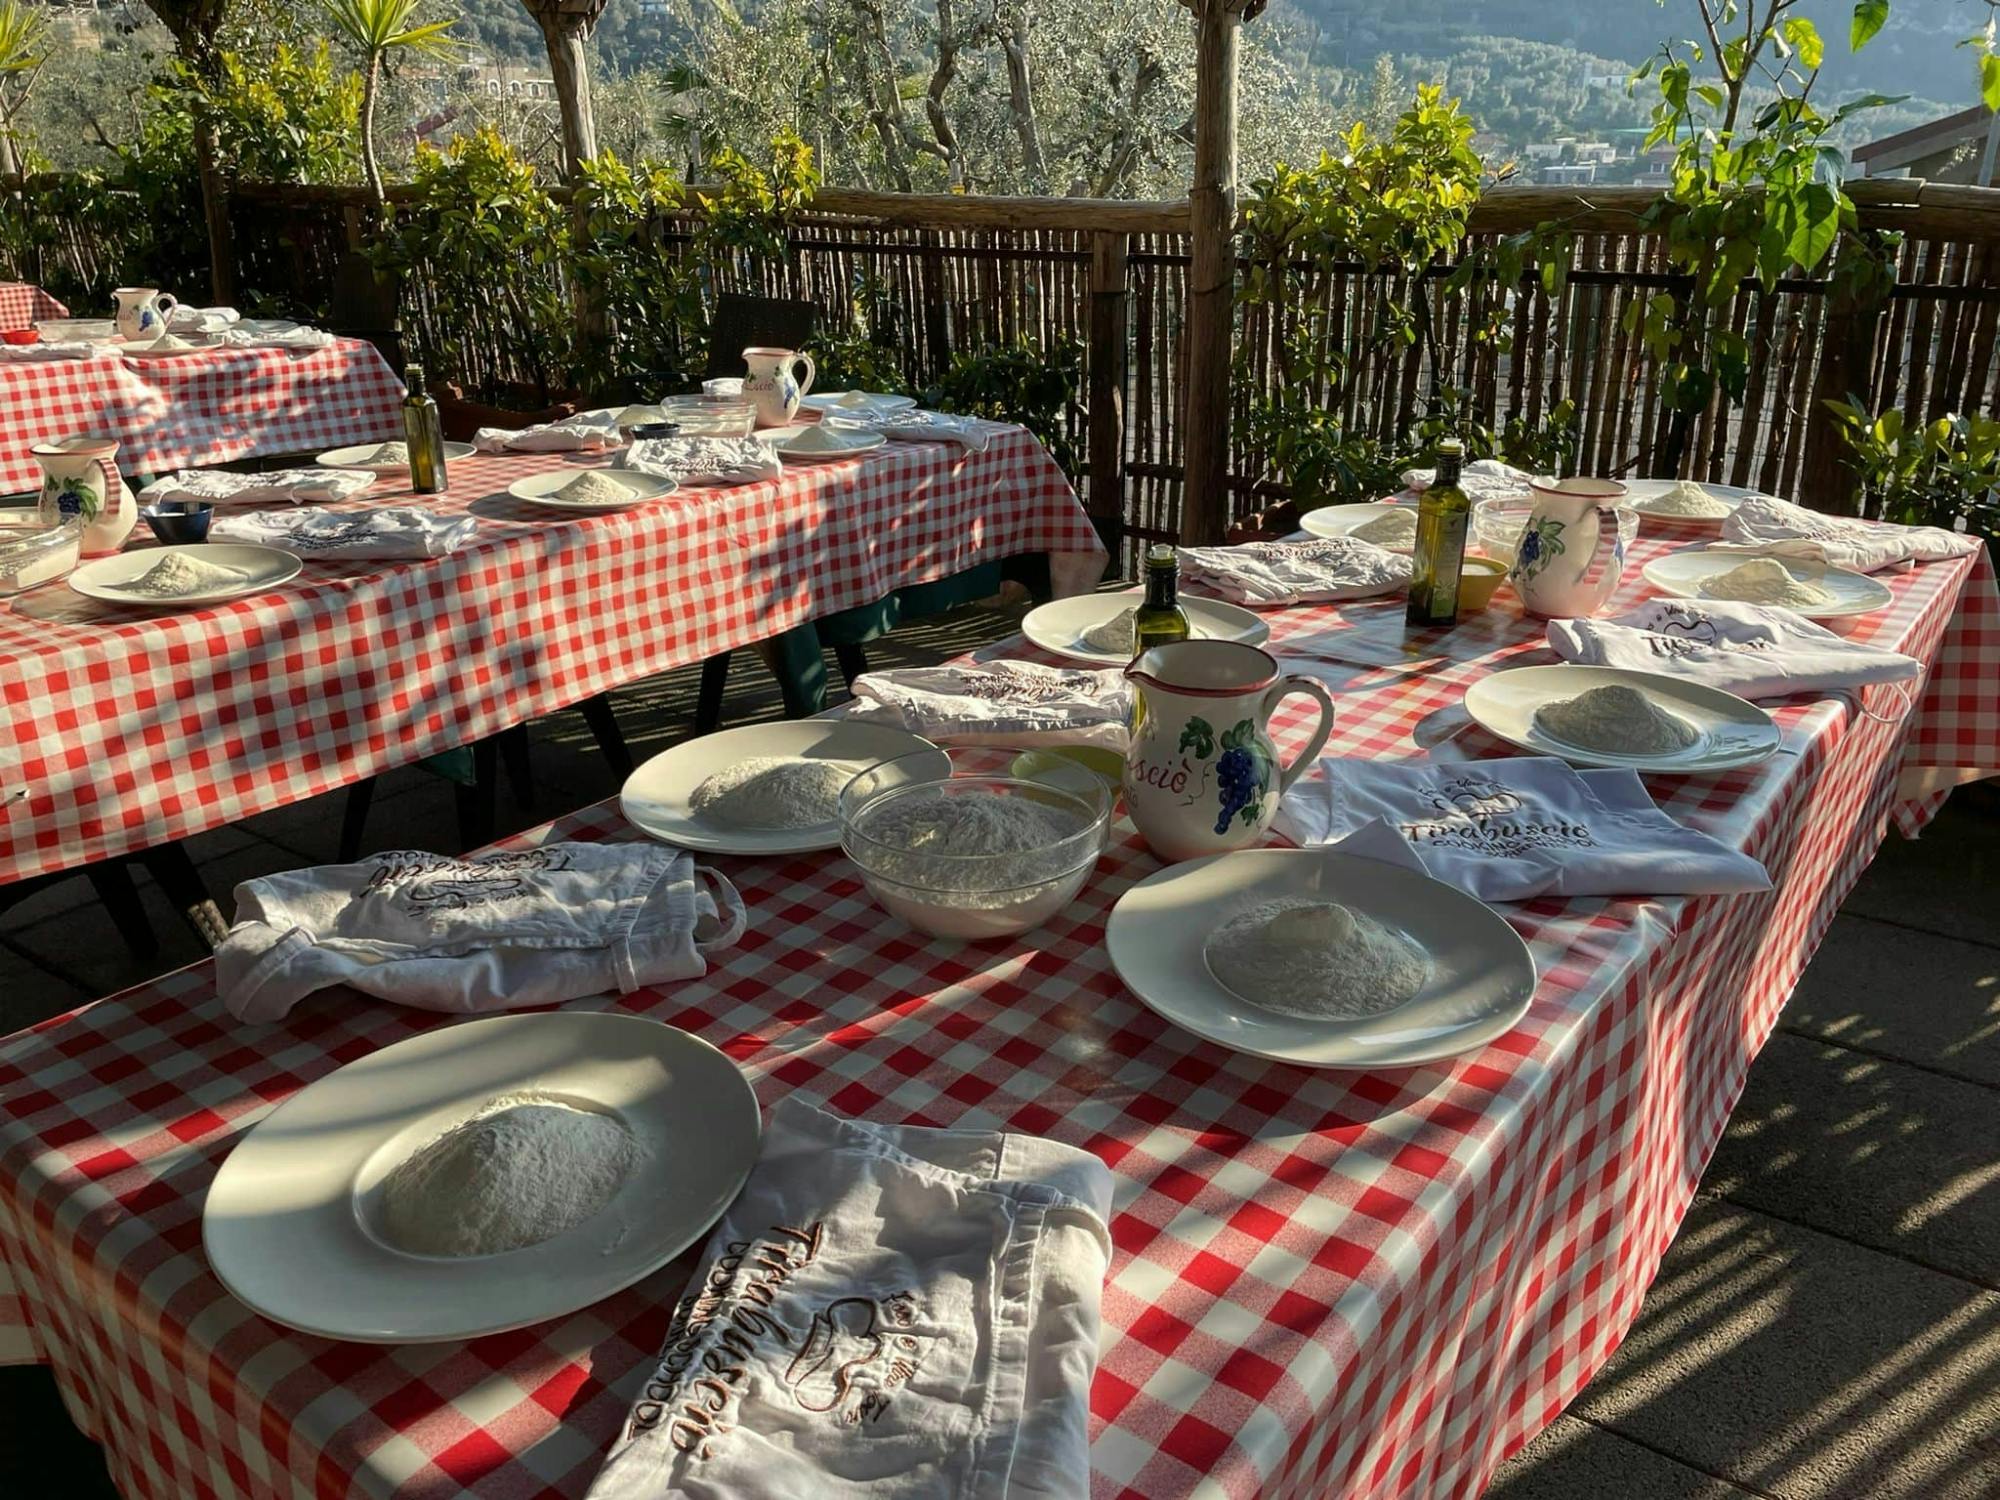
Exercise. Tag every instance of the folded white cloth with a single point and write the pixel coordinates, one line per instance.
(296, 339)
(186, 319)
(702, 460)
(571, 435)
(885, 1311)
(499, 932)
(64, 349)
(1752, 650)
(1482, 479)
(289, 485)
(1325, 568)
(1508, 830)
(969, 433)
(315, 531)
(1001, 703)
(1768, 527)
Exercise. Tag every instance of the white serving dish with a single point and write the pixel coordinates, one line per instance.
(811, 442)
(540, 489)
(265, 568)
(286, 1223)
(1059, 625)
(658, 797)
(1682, 574)
(1345, 520)
(360, 456)
(1481, 981)
(1733, 732)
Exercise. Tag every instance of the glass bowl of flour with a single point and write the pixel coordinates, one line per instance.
(972, 855)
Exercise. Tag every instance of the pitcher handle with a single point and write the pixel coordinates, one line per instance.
(806, 385)
(164, 304)
(1283, 689)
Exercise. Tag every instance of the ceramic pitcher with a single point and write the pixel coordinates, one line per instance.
(142, 312)
(1572, 549)
(773, 387)
(1201, 775)
(80, 479)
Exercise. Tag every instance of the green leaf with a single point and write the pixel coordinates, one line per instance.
(1804, 37)
(1989, 80)
(1869, 18)
(1710, 95)
(1817, 227)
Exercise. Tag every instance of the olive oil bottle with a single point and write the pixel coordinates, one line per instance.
(1442, 516)
(1160, 621)
(424, 433)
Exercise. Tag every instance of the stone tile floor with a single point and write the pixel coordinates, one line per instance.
(1826, 1325)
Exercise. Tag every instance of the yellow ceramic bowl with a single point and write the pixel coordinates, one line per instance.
(1477, 581)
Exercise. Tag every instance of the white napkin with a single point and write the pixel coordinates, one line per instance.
(290, 485)
(702, 460)
(1508, 830)
(571, 435)
(186, 319)
(1482, 479)
(1001, 703)
(66, 349)
(1763, 526)
(1325, 568)
(298, 339)
(1752, 650)
(885, 1311)
(313, 531)
(500, 932)
(969, 433)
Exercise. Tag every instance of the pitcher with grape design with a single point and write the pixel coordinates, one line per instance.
(1201, 775)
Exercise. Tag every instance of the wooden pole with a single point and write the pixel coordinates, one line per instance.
(1846, 366)
(1211, 311)
(1108, 310)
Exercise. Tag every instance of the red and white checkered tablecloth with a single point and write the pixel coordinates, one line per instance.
(210, 407)
(1325, 1283)
(130, 727)
(23, 305)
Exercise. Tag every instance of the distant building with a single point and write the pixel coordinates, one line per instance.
(1566, 174)
(1543, 150)
(1947, 150)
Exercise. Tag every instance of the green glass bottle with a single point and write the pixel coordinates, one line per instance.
(424, 433)
(1439, 557)
(1160, 621)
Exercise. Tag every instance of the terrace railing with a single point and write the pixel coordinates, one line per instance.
(958, 272)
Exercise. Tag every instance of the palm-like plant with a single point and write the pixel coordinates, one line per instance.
(376, 28)
(22, 32)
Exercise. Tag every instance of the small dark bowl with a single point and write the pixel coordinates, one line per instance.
(19, 335)
(657, 430)
(179, 521)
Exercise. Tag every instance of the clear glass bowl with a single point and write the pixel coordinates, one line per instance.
(970, 896)
(33, 552)
(711, 416)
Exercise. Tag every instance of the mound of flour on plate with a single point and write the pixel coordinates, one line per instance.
(773, 792)
(391, 453)
(1615, 720)
(522, 1171)
(178, 573)
(1765, 580)
(1687, 499)
(1395, 527)
(593, 488)
(1117, 634)
(1316, 960)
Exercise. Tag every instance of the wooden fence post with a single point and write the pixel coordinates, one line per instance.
(1846, 367)
(1211, 313)
(1109, 297)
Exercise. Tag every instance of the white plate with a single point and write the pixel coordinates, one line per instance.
(540, 489)
(196, 343)
(656, 797)
(284, 1222)
(1059, 626)
(1481, 981)
(872, 404)
(1733, 732)
(359, 457)
(1341, 520)
(852, 441)
(264, 569)
(1681, 575)
(1641, 493)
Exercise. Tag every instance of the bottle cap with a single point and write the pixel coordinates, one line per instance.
(1159, 555)
(1451, 445)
